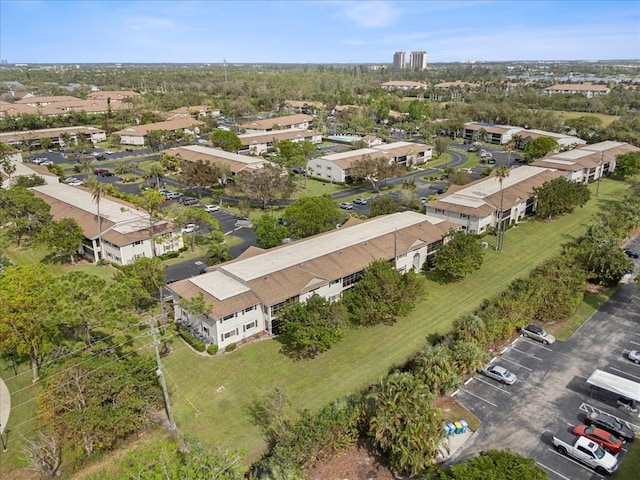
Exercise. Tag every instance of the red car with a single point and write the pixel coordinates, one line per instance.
(601, 437)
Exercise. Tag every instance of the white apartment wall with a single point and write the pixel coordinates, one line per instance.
(131, 140)
(326, 170)
(224, 331)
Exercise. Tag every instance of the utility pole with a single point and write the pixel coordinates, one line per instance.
(159, 372)
(599, 173)
(224, 61)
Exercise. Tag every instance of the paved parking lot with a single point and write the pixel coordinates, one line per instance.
(551, 391)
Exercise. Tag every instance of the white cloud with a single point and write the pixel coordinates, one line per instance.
(371, 14)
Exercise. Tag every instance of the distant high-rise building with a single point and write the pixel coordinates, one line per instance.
(418, 60)
(398, 60)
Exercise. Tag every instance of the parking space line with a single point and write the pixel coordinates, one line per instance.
(574, 461)
(516, 363)
(480, 398)
(528, 354)
(553, 471)
(635, 343)
(491, 385)
(537, 344)
(622, 371)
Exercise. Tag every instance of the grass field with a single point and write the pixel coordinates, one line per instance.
(606, 119)
(212, 396)
(630, 467)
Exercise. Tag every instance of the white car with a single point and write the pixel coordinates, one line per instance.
(499, 373)
(76, 183)
(108, 152)
(211, 208)
(189, 228)
(634, 356)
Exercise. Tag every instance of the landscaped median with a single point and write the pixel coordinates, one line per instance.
(219, 416)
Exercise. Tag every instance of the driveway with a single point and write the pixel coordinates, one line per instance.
(551, 392)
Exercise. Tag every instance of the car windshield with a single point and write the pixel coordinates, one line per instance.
(599, 452)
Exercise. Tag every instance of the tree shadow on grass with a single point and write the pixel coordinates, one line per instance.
(56, 259)
(441, 278)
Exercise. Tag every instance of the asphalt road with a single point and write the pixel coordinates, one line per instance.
(551, 392)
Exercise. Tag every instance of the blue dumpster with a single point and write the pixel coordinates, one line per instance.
(452, 428)
(465, 426)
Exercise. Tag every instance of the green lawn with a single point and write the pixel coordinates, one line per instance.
(630, 466)
(26, 255)
(606, 119)
(211, 396)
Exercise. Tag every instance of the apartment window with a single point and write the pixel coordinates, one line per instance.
(228, 317)
(464, 215)
(328, 167)
(229, 334)
(251, 325)
(439, 210)
(139, 242)
(335, 282)
(247, 310)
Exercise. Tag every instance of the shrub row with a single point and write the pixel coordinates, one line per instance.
(191, 340)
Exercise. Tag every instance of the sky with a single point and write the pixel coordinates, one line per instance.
(330, 31)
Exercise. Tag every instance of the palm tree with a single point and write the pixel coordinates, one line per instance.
(156, 170)
(501, 173)
(98, 190)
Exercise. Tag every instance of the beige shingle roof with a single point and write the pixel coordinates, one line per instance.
(285, 121)
(122, 222)
(289, 270)
(482, 197)
(234, 161)
(170, 125)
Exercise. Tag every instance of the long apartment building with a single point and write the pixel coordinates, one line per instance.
(243, 296)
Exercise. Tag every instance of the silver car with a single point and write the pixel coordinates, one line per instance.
(537, 333)
(499, 373)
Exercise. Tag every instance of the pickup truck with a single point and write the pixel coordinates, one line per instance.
(585, 451)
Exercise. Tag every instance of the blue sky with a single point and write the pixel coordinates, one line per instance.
(119, 31)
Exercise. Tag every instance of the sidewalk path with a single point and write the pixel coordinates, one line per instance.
(5, 405)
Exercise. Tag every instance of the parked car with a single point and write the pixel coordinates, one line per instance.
(106, 174)
(99, 171)
(360, 201)
(603, 438)
(472, 148)
(69, 180)
(39, 160)
(424, 200)
(46, 162)
(188, 201)
(585, 451)
(211, 208)
(610, 424)
(173, 195)
(299, 170)
(539, 334)
(108, 152)
(189, 228)
(76, 183)
(499, 373)
(634, 356)
(631, 253)
(346, 205)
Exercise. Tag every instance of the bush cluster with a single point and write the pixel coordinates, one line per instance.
(191, 340)
(212, 349)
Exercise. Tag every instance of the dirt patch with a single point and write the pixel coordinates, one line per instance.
(592, 288)
(360, 462)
